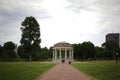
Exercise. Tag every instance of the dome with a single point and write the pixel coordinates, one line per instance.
(62, 44)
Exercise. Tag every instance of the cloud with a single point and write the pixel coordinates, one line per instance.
(78, 5)
(70, 20)
(13, 12)
(21, 8)
(110, 14)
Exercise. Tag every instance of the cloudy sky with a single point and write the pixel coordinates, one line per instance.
(73, 21)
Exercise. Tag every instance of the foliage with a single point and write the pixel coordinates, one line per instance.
(23, 70)
(30, 37)
(45, 54)
(110, 49)
(100, 70)
(1, 51)
(8, 53)
(88, 50)
(25, 56)
(110, 45)
(9, 45)
(50, 54)
(99, 52)
(77, 51)
(21, 53)
(102, 53)
(42, 55)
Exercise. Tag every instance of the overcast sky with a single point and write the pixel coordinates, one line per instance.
(73, 21)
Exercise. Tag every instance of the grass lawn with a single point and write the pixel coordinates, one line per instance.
(23, 70)
(100, 70)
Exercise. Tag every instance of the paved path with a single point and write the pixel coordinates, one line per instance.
(64, 72)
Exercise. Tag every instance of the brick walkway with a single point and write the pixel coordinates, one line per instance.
(64, 72)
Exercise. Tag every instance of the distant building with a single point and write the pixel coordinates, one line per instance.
(113, 37)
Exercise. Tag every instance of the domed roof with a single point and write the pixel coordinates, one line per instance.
(62, 44)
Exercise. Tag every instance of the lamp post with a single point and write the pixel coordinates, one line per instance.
(116, 58)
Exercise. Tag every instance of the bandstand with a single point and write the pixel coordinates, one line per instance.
(63, 52)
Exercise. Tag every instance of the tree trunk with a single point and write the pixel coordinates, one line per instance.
(30, 58)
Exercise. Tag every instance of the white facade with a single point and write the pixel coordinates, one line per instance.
(63, 51)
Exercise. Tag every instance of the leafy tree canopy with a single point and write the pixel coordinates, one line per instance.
(30, 36)
(110, 45)
(9, 52)
(9, 45)
(88, 50)
(30, 32)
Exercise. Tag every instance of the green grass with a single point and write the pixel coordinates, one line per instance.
(100, 70)
(23, 70)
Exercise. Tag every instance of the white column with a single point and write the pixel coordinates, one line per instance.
(60, 54)
(65, 54)
(53, 54)
(69, 53)
(72, 55)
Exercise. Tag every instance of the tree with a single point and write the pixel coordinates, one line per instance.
(77, 51)
(30, 36)
(99, 52)
(43, 55)
(110, 45)
(21, 53)
(9, 52)
(110, 48)
(9, 45)
(1, 52)
(44, 52)
(87, 50)
(50, 52)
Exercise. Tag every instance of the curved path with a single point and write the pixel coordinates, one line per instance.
(64, 72)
